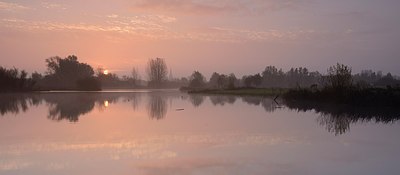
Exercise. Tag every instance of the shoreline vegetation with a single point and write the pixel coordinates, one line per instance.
(239, 91)
(68, 74)
(337, 86)
(370, 97)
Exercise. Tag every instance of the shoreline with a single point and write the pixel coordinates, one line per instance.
(369, 97)
(240, 91)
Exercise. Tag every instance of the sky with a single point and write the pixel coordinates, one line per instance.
(239, 36)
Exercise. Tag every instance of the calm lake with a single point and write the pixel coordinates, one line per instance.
(169, 132)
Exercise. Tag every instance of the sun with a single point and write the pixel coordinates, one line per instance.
(105, 72)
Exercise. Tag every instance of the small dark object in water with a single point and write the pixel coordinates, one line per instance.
(179, 109)
(276, 97)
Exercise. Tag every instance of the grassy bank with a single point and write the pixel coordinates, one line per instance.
(376, 97)
(241, 91)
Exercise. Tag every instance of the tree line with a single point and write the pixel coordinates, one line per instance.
(337, 76)
(70, 74)
(14, 80)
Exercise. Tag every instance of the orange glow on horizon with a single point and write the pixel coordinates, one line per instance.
(105, 72)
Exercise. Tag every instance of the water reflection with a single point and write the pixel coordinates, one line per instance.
(196, 100)
(14, 103)
(157, 107)
(335, 118)
(71, 106)
(338, 118)
(64, 106)
(222, 100)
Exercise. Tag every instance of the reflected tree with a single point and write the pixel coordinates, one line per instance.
(338, 118)
(135, 101)
(335, 124)
(221, 100)
(157, 107)
(69, 107)
(252, 100)
(16, 103)
(196, 100)
(269, 104)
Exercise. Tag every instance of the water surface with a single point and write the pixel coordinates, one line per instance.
(168, 132)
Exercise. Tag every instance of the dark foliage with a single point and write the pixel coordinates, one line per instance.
(353, 96)
(68, 74)
(196, 80)
(89, 83)
(12, 80)
(337, 118)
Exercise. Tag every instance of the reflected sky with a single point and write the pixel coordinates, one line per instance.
(168, 132)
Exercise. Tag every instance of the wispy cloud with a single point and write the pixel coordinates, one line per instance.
(12, 7)
(14, 165)
(146, 25)
(236, 35)
(163, 27)
(51, 5)
(185, 166)
(216, 7)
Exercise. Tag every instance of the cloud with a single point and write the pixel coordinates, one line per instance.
(12, 7)
(49, 5)
(14, 165)
(216, 7)
(237, 35)
(184, 166)
(164, 27)
(216, 165)
(147, 25)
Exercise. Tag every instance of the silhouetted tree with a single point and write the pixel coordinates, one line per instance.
(197, 80)
(272, 77)
(65, 73)
(339, 76)
(213, 83)
(222, 81)
(89, 83)
(36, 76)
(388, 81)
(110, 80)
(231, 81)
(157, 72)
(135, 75)
(14, 80)
(252, 80)
(367, 77)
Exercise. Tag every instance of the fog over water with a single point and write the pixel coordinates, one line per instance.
(168, 132)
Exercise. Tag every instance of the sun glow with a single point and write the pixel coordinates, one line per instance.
(106, 103)
(105, 72)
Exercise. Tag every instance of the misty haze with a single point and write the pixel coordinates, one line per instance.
(165, 87)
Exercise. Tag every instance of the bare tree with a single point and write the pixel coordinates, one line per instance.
(135, 75)
(157, 72)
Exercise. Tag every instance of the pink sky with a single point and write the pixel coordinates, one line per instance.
(240, 36)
